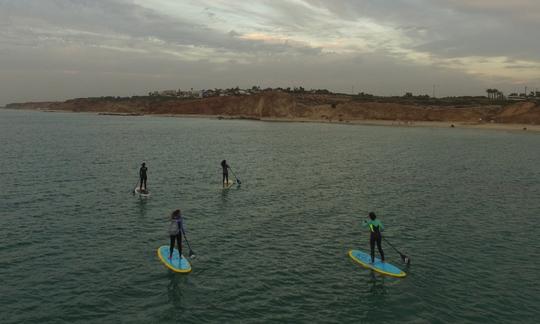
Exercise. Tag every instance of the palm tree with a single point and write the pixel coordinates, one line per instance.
(494, 94)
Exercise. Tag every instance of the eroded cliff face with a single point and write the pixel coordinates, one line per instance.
(519, 113)
(278, 105)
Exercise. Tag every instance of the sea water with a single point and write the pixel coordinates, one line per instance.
(77, 246)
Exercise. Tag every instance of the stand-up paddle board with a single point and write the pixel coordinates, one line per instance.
(144, 193)
(381, 267)
(228, 184)
(178, 263)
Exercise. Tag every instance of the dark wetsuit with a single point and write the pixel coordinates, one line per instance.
(142, 175)
(225, 167)
(375, 227)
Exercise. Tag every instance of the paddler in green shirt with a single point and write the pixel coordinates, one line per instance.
(375, 227)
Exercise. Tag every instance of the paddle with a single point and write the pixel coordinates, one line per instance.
(404, 258)
(191, 253)
(237, 180)
(135, 188)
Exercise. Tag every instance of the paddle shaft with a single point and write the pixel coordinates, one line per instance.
(403, 256)
(135, 188)
(234, 175)
(189, 246)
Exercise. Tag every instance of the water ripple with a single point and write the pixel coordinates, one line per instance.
(77, 246)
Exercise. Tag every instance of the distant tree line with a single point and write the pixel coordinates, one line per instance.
(495, 94)
(492, 95)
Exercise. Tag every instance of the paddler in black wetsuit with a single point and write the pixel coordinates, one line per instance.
(225, 167)
(143, 177)
(375, 229)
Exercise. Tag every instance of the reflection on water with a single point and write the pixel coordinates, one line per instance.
(174, 288)
(224, 195)
(377, 284)
(142, 206)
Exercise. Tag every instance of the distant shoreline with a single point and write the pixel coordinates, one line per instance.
(462, 112)
(427, 124)
(374, 122)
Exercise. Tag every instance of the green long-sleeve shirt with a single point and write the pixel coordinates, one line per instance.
(373, 224)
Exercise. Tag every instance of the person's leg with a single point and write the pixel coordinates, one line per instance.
(145, 183)
(372, 247)
(140, 184)
(379, 241)
(227, 177)
(171, 246)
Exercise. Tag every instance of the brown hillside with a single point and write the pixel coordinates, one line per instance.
(317, 107)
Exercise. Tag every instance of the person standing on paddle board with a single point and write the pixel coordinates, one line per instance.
(176, 228)
(225, 167)
(375, 227)
(143, 177)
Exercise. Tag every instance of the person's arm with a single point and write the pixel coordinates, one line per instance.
(365, 223)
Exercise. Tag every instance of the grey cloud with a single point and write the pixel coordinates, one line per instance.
(59, 49)
(525, 67)
(114, 18)
(456, 27)
(58, 77)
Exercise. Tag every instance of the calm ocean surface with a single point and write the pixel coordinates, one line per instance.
(77, 246)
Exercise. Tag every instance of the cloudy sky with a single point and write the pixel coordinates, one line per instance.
(59, 49)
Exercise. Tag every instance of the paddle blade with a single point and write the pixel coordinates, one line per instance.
(405, 259)
(191, 254)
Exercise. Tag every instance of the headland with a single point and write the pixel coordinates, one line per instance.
(478, 112)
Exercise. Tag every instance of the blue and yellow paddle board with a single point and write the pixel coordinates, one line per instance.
(381, 267)
(178, 263)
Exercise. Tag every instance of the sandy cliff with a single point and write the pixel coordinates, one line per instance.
(279, 105)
